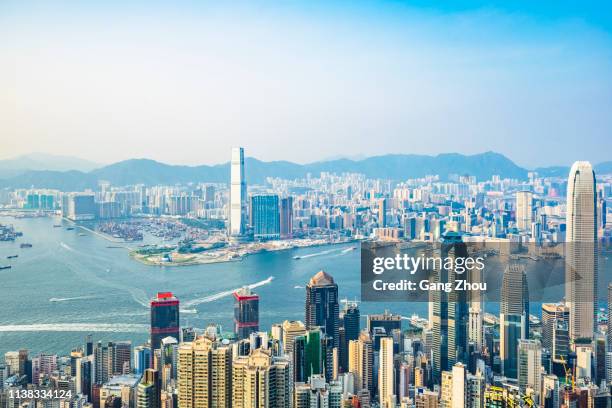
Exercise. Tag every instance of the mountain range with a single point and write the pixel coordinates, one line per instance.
(150, 172)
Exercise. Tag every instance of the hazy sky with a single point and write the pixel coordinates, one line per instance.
(305, 81)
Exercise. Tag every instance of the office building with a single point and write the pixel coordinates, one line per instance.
(351, 326)
(450, 312)
(265, 217)
(529, 366)
(79, 206)
(286, 218)
(581, 252)
(514, 316)
(164, 318)
(322, 309)
(317, 393)
(553, 316)
(238, 195)
(246, 313)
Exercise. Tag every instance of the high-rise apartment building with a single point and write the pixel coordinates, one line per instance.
(238, 194)
(361, 362)
(147, 392)
(322, 308)
(581, 252)
(261, 380)
(164, 318)
(204, 374)
(524, 210)
(386, 377)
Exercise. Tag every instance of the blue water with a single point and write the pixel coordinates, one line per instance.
(103, 292)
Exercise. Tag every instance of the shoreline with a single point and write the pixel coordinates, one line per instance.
(222, 258)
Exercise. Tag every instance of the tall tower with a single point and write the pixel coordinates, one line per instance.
(164, 318)
(581, 253)
(238, 194)
(386, 379)
(524, 209)
(450, 311)
(322, 309)
(246, 313)
(513, 317)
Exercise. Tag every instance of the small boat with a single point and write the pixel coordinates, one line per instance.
(5, 267)
(297, 257)
(81, 234)
(69, 228)
(12, 256)
(25, 245)
(57, 226)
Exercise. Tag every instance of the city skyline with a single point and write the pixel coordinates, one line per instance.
(371, 79)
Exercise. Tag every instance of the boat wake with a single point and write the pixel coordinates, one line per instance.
(69, 299)
(329, 251)
(76, 327)
(220, 295)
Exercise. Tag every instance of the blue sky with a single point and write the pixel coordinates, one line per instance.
(304, 81)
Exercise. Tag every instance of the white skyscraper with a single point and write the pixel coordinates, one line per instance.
(581, 253)
(524, 209)
(386, 380)
(238, 192)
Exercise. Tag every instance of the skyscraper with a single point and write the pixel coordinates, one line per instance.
(265, 216)
(514, 316)
(204, 374)
(238, 194)
(361, 362)
(246, 313)
(261, 380)
(147, 395)
(581, 254)
(164, 318)
(386, 378)
(450, 311)
(286, 217)
(609, 333)
(554, 317)
(529, 365)
(322, 309)
(350, 318)
(524, 210)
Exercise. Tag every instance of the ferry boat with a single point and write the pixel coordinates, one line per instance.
(69, 228)
(5, 267)
(12, 256)
(25, 245)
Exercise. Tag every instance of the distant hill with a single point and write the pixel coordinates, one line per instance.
(41, 161)
(396, 167)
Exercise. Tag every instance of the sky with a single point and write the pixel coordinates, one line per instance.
(182, 82)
